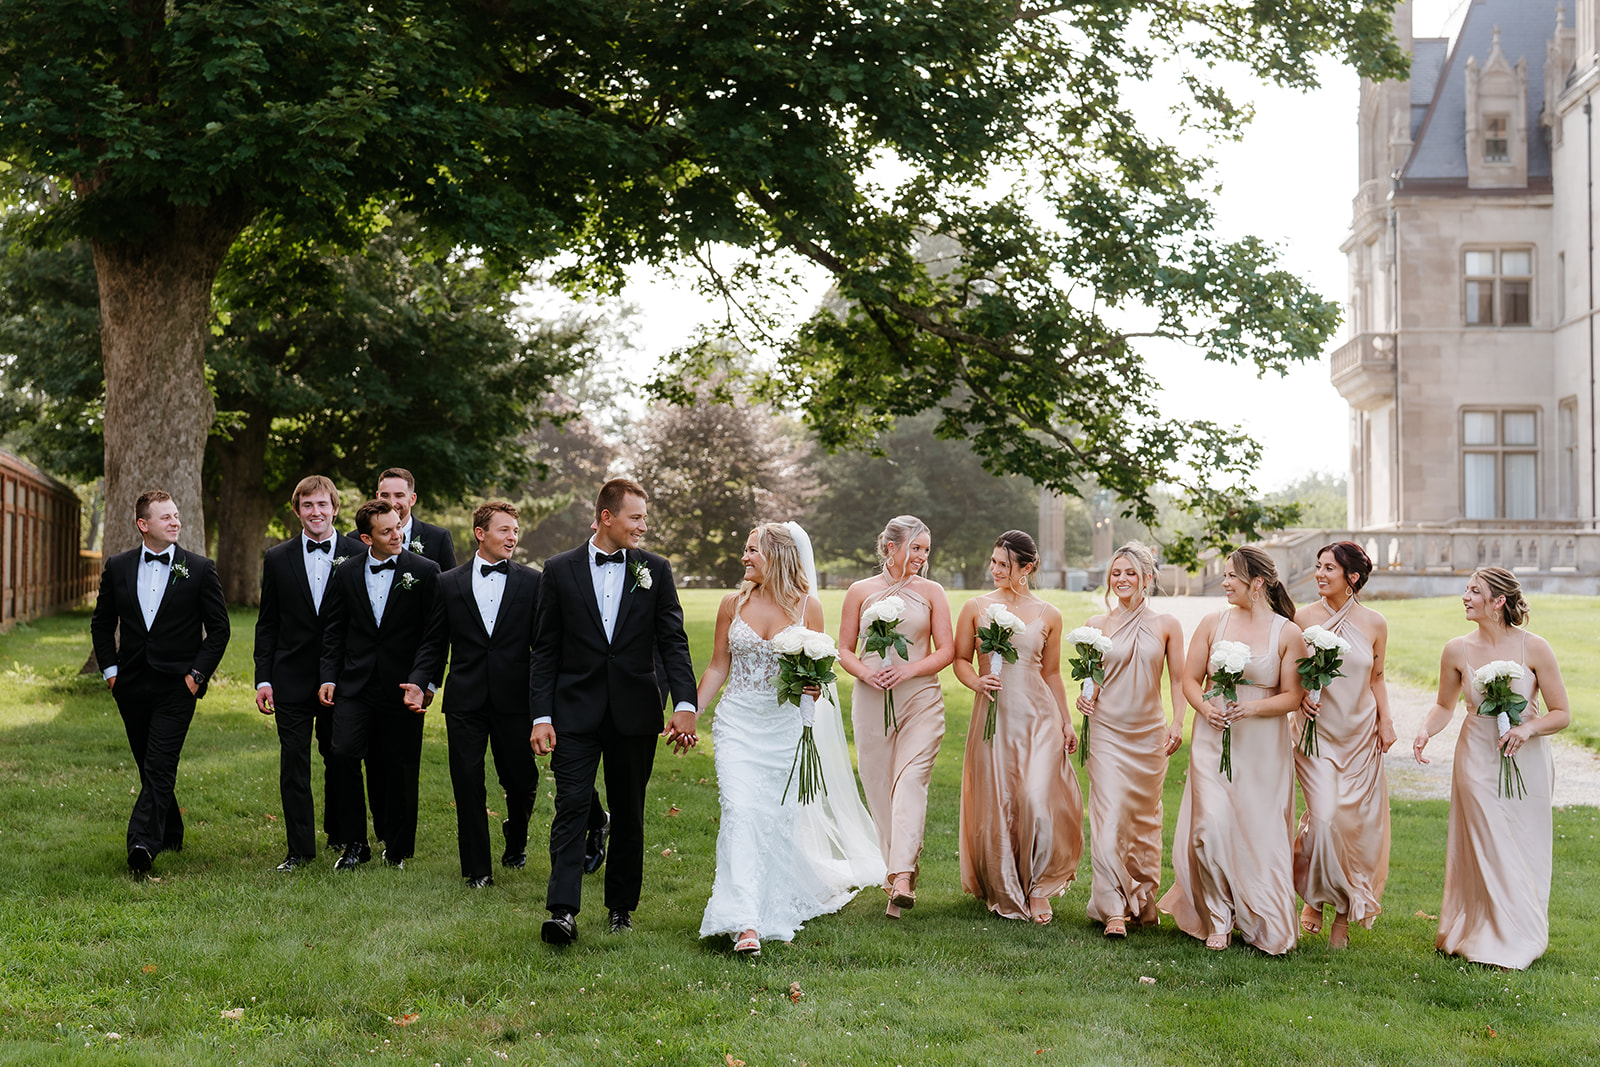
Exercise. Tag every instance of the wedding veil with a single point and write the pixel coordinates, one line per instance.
(834, 830)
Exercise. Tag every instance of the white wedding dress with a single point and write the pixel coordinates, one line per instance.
(780, 862)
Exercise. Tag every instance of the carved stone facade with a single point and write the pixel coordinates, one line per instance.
(1468, 366)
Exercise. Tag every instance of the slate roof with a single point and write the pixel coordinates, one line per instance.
(1440, 152)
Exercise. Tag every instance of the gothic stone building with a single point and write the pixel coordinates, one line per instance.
(1470, 361)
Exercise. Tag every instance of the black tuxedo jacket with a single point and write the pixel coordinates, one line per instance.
(357, 653)
(485, 671)
(576, 676)
(437, 544)
(190, 630)
(289, 626)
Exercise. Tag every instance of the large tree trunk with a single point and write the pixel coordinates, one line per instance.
(244, 510)
(155, 308)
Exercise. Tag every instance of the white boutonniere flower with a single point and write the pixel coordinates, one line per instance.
(180, 569)
(338, 561)
(408, 580)
(641, 575)
(415, 545)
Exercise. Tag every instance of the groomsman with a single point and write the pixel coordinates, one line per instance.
(378, 607)
(294, 584)
(483, 618)
(398, 489)
(606, 610)
(173, 629)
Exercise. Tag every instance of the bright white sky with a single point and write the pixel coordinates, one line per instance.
(1290, 182)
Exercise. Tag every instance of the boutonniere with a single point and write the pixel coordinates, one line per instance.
(180, 569)
(338, 560)
(408, 580)
(641, 575)
(415, 545)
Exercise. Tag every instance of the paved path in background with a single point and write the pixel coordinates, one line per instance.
(1577, 779)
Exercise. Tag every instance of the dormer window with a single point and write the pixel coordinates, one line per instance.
(1496, 147)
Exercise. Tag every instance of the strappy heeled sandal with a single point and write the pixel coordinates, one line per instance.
(1116, 928)
(902, 898)
(1218, 942)
(1311, 919)
(1040, 918)
(1339, 932)
(748, 946)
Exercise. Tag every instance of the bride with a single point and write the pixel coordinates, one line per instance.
(779, 862)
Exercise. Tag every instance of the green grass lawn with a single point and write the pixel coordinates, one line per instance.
(320, 966)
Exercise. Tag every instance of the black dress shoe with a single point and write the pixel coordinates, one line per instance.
(621, 921)
(354, 856)
(398, 864)
(560, 929)
(518, 859)
(291, 861)
(482, 881)
(594, 846)
(139, 859)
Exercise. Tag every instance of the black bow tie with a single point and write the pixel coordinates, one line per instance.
(320, 546)
(388, 566)
(503, 567)
(619, 556)
(156, 557)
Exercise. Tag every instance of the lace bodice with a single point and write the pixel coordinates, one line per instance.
(753, 665)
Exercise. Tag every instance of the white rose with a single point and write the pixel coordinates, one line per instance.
(1320, 638)
(997, 614)
(789, 641)
(1085, 635)
(891, 608)
(869, 615)
(1230, 656)
(818, 645)
(1102, 644)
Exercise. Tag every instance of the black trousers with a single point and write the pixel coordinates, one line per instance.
(297, 725)
(574, 764)
(388, 735)
(156, 711)
(471, 733)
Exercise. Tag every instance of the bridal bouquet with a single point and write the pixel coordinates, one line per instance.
(805, 658)
(884, 637)
(995, 627)
(1494, 680)
(1328, 650)
(1228, 662)
(1089, 667)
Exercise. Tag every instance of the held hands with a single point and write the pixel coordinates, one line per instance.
(417, 698)
(889, 677)
(543, 739)
(679, 732)
(325, 694)
(264, 700)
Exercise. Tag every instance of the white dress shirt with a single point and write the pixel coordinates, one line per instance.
(154, 577)
(318, 566)
(405, 533)
(378, 585)
(488, 590)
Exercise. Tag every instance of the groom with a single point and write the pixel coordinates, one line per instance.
(604, 610)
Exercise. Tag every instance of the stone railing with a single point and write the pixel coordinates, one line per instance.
(1362, 352)
(1436, 561)
(1370, 197)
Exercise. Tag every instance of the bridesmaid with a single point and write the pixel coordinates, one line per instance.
(895, 767)
(1232, 862)
(1341, 850)
(1496, 906)
(1129, 744)
(1021, 811)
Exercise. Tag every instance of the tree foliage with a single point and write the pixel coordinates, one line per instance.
(621, 130)
(941, 482)
(713, 471)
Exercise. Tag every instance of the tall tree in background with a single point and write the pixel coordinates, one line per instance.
(713, 471)
(658, 129)
(941, 482)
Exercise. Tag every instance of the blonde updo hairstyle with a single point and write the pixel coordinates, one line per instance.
(1144, 561)
(900, 531)
(1502, 583)
(785, 580)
